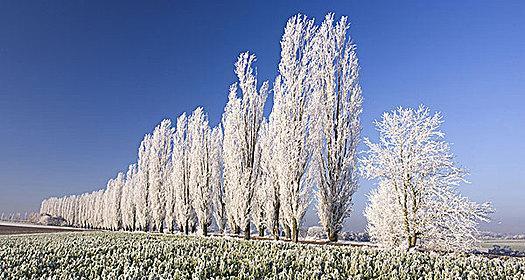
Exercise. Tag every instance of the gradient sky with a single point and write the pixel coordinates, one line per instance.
(82, 81)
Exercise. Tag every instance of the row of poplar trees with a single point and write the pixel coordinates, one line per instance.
(249, 169)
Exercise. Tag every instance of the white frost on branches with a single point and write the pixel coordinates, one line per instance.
(260, 204)
(242, 120)
(219, 207)
(338, 107)
(251, 171)
(128, 202)
(142, 185)
(417, 203)
(180, 176)
(159, 170)
(269, 175)
(114, 195)
(200, 148)
(290, 120)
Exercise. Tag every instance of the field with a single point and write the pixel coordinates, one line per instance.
(119, 255)
(514, 244)
(14, 228)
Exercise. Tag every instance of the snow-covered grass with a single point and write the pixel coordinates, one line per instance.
(119, 255)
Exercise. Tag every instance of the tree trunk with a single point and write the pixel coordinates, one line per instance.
(261, 230)
(287, 232)
(237, 230)
(276, 232)
(204, 229)
(276, 218)
(247, 232)
(295, 231)
(406, 225)
(332, 235)
(412, 240)
(186, 227)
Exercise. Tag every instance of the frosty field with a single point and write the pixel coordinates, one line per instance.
(118, 255)
(514, 244)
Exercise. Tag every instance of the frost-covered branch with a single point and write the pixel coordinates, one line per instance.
(416, 203)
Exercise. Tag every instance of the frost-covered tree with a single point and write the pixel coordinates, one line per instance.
(241, 121)
(260, 204)
(107, 213)
(217, 167)
(159, 170)
(269, 175)
(142, 185)
(98, 219)
(200, 150)
(291, 115)
(180, 176)
(383, 213)
(128, 201)
(115, 196)
(78, 211)
(338, 106)
(170, 220)
(417, 202)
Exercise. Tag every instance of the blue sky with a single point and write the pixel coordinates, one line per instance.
(82, 81)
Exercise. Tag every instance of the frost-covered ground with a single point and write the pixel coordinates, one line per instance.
(506, 247)
(118, 255)
(514, 244)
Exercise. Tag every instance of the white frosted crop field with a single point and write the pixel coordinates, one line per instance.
(118, 255)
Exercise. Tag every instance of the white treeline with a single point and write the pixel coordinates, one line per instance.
(251, 172)
(172, 186)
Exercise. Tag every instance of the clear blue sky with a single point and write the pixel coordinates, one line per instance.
(82, 81)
